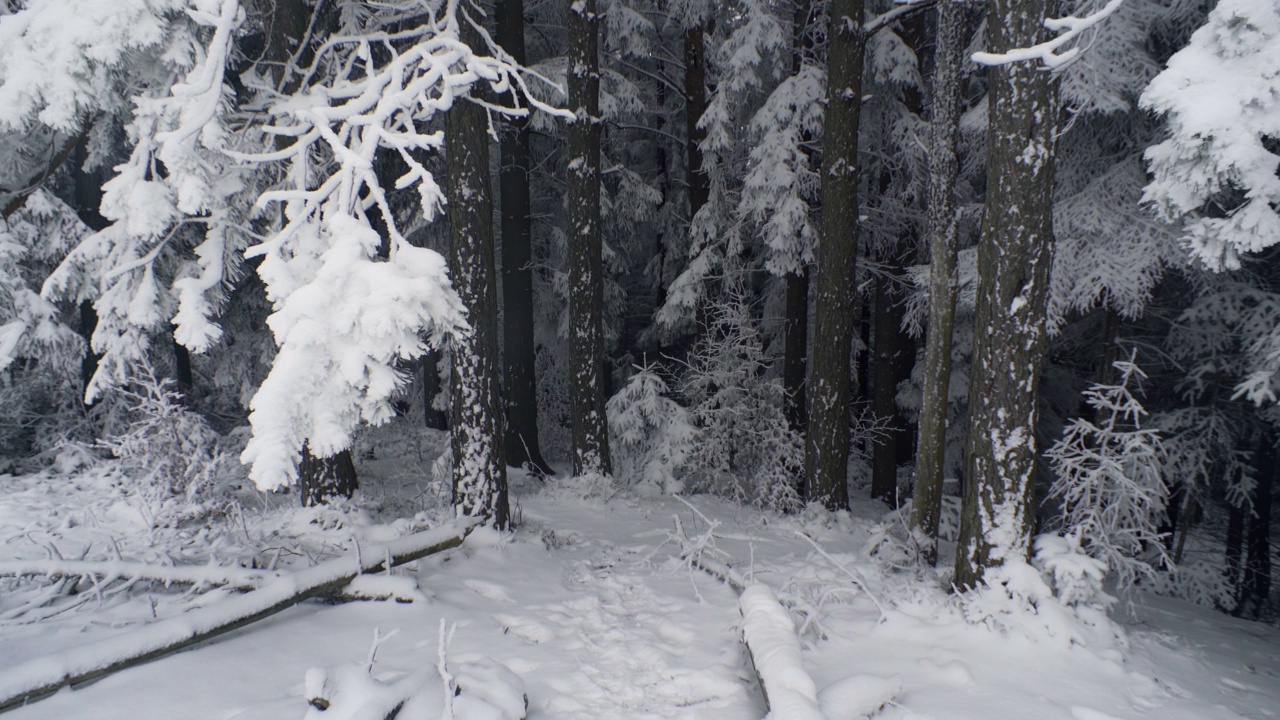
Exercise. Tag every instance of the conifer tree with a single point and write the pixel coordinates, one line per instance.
(827, 445)
(587, 378)
(1014, 255)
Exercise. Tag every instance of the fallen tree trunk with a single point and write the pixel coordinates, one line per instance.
(230, 577)
(768, 633)
(770, 637)
(36, 678)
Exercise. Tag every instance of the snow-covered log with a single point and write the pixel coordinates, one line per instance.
(770, 637)
(230, 577)
(39, 677)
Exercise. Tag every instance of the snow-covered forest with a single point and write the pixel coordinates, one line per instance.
(550, 359)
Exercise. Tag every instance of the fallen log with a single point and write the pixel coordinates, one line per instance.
(43, 676)
(230, 577)
(768, 633)
(770, 637)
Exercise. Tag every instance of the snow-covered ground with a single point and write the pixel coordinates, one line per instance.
(590, 605)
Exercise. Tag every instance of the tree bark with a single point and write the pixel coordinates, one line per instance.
(796, 347)
(519, 350)
(320, 479)
(587, 381)
(795, 356)
(827, 444)
(944, 240)
(476, 429)
(695, 93)
(1014, 256)
(1256, 586)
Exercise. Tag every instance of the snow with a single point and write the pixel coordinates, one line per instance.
(589, 610)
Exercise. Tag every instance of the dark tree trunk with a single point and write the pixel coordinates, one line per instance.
(944, 240)
(1256, 586)
(476, 430)
(433, 417)
(827, 444)
(795, 356)
(1235, 553)
(587, 378)
(796, 347)
(182, 371)
(87, 190)
(695, 93)
(320, 479)
(895, 355)
(517, 275)
(1014, 256)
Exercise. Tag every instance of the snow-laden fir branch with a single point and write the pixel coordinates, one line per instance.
(1070, 27)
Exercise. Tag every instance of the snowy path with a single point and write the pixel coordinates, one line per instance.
(596, 622)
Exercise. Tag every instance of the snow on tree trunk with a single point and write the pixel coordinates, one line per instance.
(827, 445)
(476, 428)
(944, 232)
(517, 276)
(586, 270)
(1014, 257)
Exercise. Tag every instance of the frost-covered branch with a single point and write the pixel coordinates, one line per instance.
(1070, 27)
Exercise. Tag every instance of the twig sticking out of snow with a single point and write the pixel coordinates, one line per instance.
(771, 641)
(1047, 52)
(38, 678)
(701, 551)
(857, 577)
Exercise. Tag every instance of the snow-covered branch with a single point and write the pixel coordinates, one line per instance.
(1070, 27)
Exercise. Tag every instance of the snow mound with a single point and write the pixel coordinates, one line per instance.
(858, 696)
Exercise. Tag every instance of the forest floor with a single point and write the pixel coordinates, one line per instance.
(591, 605)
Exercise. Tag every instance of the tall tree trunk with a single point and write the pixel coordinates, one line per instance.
(517, 275)
(476, 429)
(796, 330)
(796, 347)
(1256, 587)
(944, 240)
(318, 478)
(827, 444)
(1235, 554)
(1013, 289)
(587, 382)
(895, 355)
(87, 189)
(695, 93)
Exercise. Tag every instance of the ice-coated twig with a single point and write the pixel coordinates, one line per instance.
(1046, 52)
